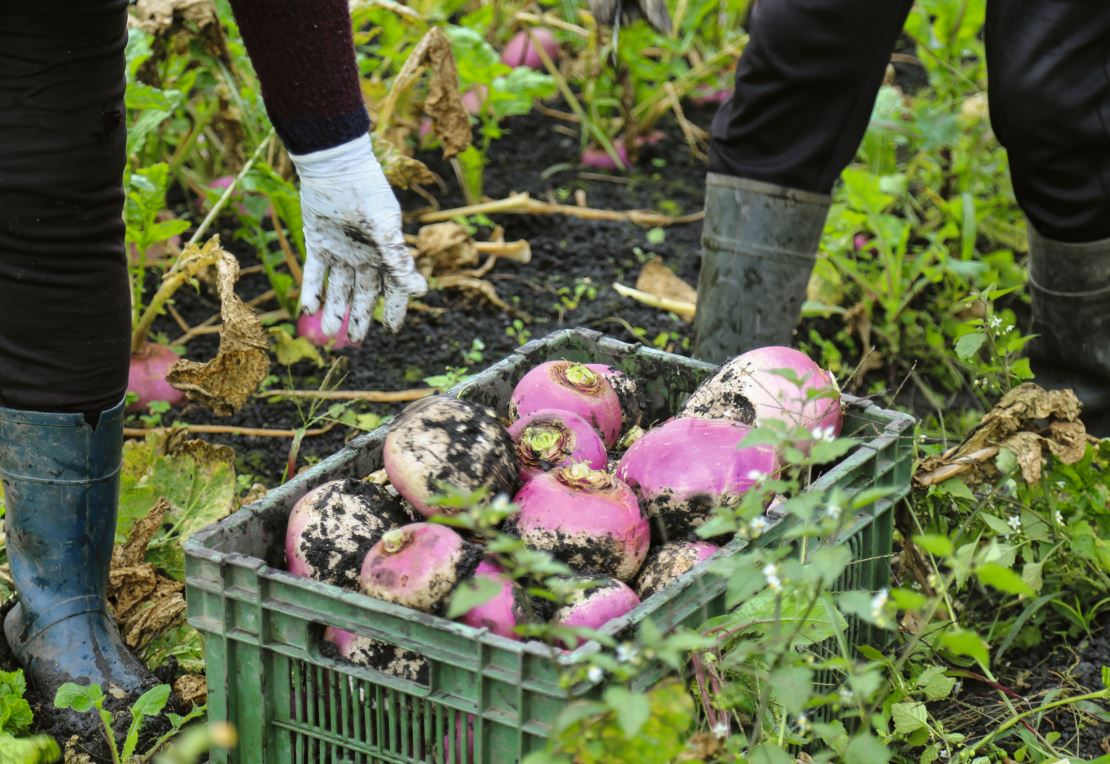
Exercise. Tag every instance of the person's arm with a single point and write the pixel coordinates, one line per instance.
(303, 52)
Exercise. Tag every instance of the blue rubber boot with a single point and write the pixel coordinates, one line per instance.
(61, 485)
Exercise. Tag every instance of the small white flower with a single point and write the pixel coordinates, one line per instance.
(595, 674)
(758, 525)
(996, 321)
(878, 602)
(756, 475)
(833, 511)
(627, 653)
(1060, 484)
(944, 753)
(1014, 522)
(1059, 518)
(721, 729)
(803, 722)
(845, 695)
(823, 433)
(771, 573)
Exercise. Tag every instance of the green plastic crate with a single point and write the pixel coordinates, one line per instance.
(292, 704)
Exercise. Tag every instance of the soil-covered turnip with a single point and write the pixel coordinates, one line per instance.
(685, 468)
(418, 566)
(146, 377)
(310, 328)
(551, 438)
(669, 561)
(375, 654)
(628, 391)
(594, 606)
(572, 387)
(751, 390)
(587, 518)
(333, 526)
(441, 442)
(508, 608)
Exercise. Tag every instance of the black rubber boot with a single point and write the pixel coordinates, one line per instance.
(759, 243)
(61, 485)
(1070, 287)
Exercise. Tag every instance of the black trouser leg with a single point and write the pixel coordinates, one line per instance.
(64, 296)
(805, 89)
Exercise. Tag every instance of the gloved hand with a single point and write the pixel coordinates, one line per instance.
(621, 12)
(353, 239)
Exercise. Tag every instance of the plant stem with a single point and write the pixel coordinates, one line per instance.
(967, 753)
(371, 396)
(222, 201)
(219, 429)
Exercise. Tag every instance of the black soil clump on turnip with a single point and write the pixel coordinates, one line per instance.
(675, 521)
(717, 398)
(381, 656)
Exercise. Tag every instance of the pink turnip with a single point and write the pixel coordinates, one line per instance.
(668, 562)
(375, 654)
(310, 328)
(749, 389)
(508, 608)
(628, 393)
(333, 526)
(146, 376)
(474, 98)
(571, 387)
(551, 438)
(586, 518)
(685, 468)
(521, 50)
(705, 95)
(599, 159)
(418, 566)
(594, 606)
(441, 442)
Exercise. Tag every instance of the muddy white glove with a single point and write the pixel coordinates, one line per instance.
(353, 240)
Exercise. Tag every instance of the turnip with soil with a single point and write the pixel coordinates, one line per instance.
(146, 376)
(628, 390)
(685, 468)
(375, 654)
(333, 526)
(418, 566)
(668, 562)
(310, 327)
(594, 606)
(439, 442)
(505, 611)
(571, 387)
(521, 49)
(551, 438)
(587, 518)
(770, 383)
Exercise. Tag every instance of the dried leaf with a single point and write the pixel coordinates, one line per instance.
(1015, 424)
(444, 248)
(400, 170)
(157, 16)
(191, 689)
(481, 287)
(657, 279)
(133, 552)
(165, 609)
(226, 382)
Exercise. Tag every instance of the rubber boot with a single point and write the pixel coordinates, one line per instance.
(759, 243)
(61, 485)
(1070, 287)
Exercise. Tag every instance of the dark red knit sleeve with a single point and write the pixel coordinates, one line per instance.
(303, 52)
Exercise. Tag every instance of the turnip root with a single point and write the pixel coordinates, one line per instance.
(508, 608)
(570, 387)
(685, 468)
(521, 50)
(474, 98)
(750, 390)
(628, 392)
(418, 566)
(310, 328)
(372, 653)
(598, 159)
(668, 562)
(595, 606)
(333, 526)
(551, 438)
(146, 377)
(440, 442)
(586, 518)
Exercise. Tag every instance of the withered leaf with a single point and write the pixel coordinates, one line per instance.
(443, 248)
(156, 16)
(226, 382)
(191, 689)
(400, 170)
(657, 279)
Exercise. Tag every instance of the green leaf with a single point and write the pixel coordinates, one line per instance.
(955, 488)
(867, 749)
(80, 699)
(1003, 579)
(1031, 574)
(632, 709)
(935, 683)
(968, 643)
(744, 581)
(38, 749)
(792, 686)
(759, 615)
(969, 345)
(909, 717)
(935, 544)
(151, 702)
(770, 754)
(546, 757)
(477, 591)
(292, 350)
(830, 562)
